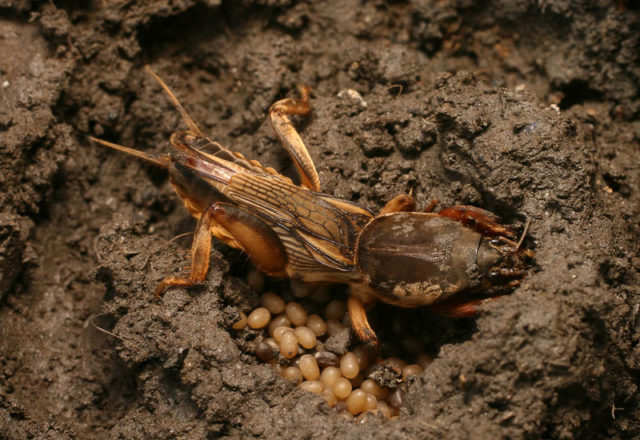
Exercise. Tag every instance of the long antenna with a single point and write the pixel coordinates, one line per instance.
(161, 161)
(185, 116)
(524, 233)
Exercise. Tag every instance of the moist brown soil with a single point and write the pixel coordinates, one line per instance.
(527, 109)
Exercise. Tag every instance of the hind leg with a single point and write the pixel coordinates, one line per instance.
(279, 114)
(238, 228)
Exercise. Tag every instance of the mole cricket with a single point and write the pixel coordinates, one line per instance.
(448, 260)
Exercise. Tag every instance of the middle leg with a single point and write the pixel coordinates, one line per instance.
(400, 203)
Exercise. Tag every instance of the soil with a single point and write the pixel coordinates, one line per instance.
(527, 109)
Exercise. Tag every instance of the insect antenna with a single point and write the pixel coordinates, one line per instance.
(161, 161)
(527, 252)
(92, 319)
(185, 116)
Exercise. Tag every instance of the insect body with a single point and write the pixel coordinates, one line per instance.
(402, 257)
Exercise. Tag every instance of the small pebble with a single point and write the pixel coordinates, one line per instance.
(296, 313)
(309, 367)
(259, 318)
(395, 362)
(349, 365)
(334, 327)
(272, 302)
(241, 323)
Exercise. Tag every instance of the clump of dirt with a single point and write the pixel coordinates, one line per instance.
(528, 110)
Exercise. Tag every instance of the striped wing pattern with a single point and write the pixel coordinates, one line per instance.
(318, 235)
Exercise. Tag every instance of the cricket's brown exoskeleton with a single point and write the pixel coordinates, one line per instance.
(446, 260)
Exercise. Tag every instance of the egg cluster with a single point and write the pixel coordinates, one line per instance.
(296, 343)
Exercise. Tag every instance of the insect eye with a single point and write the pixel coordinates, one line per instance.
(470, 221)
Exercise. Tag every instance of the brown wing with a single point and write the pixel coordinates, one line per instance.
(216, 152)
(318, 231)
